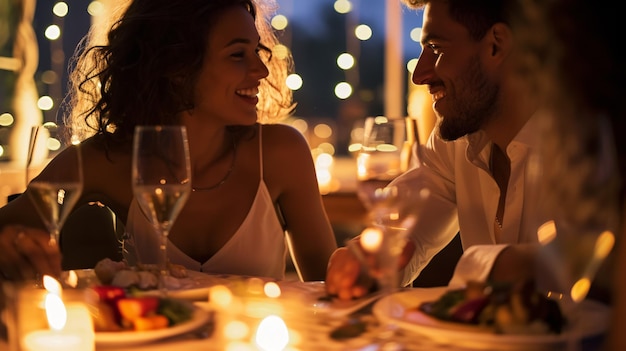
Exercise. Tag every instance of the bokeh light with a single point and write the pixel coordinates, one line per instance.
(343, 90)
(363, 32)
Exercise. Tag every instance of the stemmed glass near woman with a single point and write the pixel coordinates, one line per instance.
(161, 179)
(54, 197)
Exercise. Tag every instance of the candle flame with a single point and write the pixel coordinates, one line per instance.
(272, 334)
(52, 285)
(55, 311)
(72, 279)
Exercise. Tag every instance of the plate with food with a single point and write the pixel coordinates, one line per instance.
(498, 317)
(180, 283)
(123, 319)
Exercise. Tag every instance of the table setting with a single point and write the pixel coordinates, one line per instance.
(152, 304)
(230, 312)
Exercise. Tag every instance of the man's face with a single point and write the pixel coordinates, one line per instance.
(464, 96)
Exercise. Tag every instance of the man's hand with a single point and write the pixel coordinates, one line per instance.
(27, 252)
(345, 277)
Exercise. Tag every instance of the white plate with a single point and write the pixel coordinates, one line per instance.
(316, 297)
(592, 320)
(200, 317)
(195, 286)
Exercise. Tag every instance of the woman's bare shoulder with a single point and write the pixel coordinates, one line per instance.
(95, 150)
(107, 171)
(282, 135)
(286, 152)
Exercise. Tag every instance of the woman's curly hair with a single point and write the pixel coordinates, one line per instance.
(144, 71)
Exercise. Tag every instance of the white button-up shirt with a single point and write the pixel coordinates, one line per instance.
(463, 196)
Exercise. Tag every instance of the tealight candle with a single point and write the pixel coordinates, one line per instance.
(71, 328)
(53, 340)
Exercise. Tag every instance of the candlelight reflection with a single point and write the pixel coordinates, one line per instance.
(272, 334)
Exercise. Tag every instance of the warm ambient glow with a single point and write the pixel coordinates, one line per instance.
(271, 289)
(363, 32)
(6, 119)
(52, 285)
(604, 245)
(294, 81)
(416, 34)
(220, 295)
(279, 22)
(371, 239)
(55, 312)
(53, 32)
(272, 334)
(546, 232)
(343, 6)
(280, 51)
(96, 8)
(345, 61)
(410, 66)
(343, 90)
(45, 103)
(60, 9)
(72, 279)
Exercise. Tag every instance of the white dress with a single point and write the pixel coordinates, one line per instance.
(257, 248)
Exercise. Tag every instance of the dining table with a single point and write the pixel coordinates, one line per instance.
(233, 312)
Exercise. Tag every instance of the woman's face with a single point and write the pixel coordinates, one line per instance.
(228, 81)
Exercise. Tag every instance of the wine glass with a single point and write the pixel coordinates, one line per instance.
(55, 195)
(393, 214)
(383, 155)
(161, 180)
(577, 183)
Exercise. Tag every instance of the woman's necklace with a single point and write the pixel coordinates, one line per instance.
(230, 169)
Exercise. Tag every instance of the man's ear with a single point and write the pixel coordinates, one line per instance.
(500, 40)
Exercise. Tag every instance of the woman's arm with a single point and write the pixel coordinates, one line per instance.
(289, 167)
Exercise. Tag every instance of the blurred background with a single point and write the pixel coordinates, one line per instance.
(353, 59)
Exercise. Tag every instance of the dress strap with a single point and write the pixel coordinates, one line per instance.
(261, 151)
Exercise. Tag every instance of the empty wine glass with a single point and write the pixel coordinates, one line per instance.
(383, 155)
(161, 179)
(380, 245)
(55, 195)
(576, 181)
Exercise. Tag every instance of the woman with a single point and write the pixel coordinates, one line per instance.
(208, 66)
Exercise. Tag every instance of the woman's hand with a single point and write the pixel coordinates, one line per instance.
(27, 252)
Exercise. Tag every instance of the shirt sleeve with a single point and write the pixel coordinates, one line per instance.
(475, 264)
(429, 192)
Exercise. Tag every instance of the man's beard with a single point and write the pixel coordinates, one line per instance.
(470, 107)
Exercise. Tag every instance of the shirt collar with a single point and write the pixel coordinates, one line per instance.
(479, 144)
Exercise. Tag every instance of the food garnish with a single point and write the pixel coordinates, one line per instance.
(143, 277)
(119, 310)
(507, 308)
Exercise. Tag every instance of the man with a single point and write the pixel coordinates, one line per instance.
(477, 160)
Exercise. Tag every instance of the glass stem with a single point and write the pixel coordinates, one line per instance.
(163, 262)
(55, 234)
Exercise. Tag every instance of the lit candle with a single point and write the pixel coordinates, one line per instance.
(323, 169)
(70, 327)
(272, 334)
